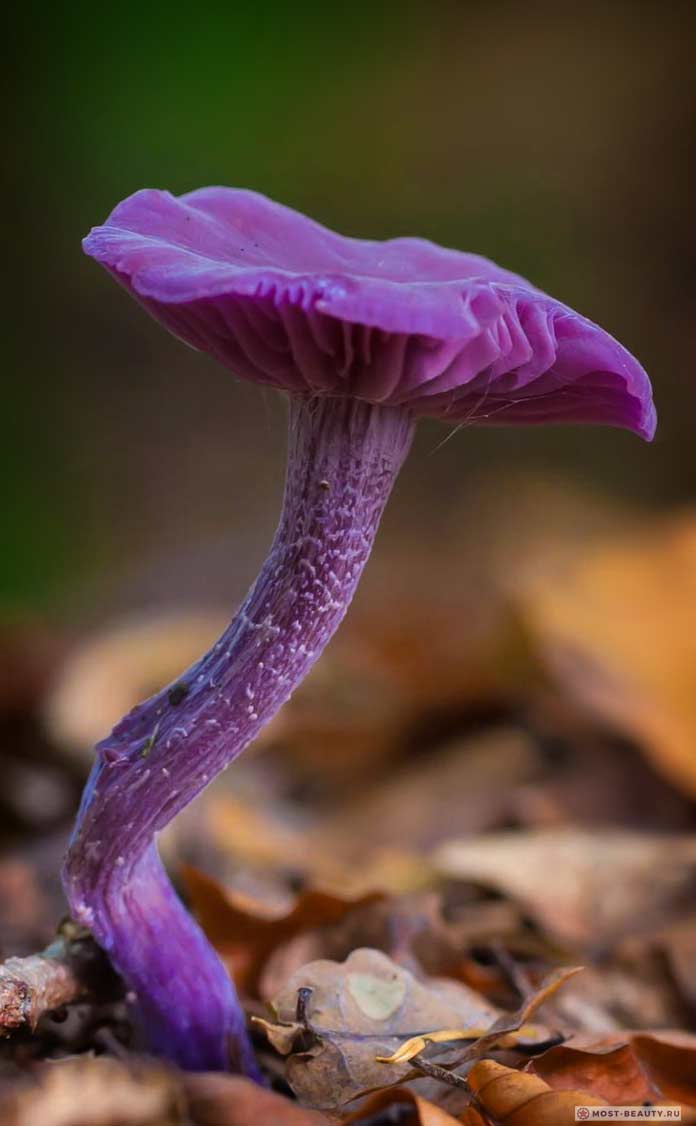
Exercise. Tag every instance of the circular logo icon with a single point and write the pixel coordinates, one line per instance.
(582, 1114)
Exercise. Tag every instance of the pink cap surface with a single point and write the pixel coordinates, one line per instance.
(282, 301)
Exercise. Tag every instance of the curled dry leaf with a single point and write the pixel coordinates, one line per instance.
(519, 1099)
(611, 1072)
(245, 933)
(617, 630)
(670, 1060)
(499, 1034)
(582, 887)
(338, 1021)
(513, 1098)
(627, 1068)
(84, 1091)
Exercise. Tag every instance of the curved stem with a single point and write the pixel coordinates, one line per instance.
(343, 458)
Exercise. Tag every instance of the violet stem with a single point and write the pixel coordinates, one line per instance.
(343, 458)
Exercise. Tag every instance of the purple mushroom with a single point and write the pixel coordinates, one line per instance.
(363, 338)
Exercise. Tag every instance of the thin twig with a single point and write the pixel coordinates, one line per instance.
(71, 968)
(453, 1080)
(436, 1072)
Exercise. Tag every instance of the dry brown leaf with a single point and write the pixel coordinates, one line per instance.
(611, 1071)
(357, 1010)
(617, 630)
(227, 1100)
(425, 1113)
(498, 1035)
(254, 834)
(582, 887)
(84, 1091)
(624, 1068)
(669, 1058)
(245, 933)
(505, 1032)
(514, 1098)
(367, 1007)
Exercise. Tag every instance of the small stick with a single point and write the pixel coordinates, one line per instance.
(435, 1071)
(67, 970)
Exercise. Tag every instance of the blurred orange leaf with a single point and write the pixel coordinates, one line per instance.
(101, 1091)
(617, 630)
(228, 1100)
(106, 675)
(425, 1113)
(89, 1091)
(670, 1061)
(245, 932)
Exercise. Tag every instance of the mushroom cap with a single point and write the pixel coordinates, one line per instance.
(283, 301)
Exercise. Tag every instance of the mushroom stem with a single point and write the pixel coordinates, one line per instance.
(343, 458)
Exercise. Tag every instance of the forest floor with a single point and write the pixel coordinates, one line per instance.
(454, 881)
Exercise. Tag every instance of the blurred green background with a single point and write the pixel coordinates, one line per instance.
(553, 138)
